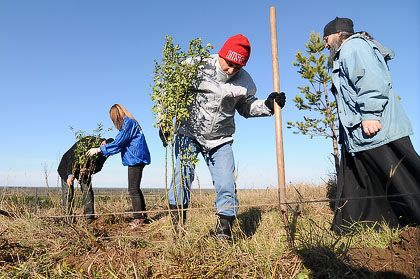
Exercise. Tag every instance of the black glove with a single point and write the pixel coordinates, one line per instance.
(280, 99)
(163, 138)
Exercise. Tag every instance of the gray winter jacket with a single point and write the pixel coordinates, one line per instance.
(211, 122)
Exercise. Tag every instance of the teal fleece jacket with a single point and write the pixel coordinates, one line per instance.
(364, 92)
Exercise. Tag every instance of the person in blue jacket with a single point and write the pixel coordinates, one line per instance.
(379, 175)
(131, 143)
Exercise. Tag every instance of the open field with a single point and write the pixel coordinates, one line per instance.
(35, 242)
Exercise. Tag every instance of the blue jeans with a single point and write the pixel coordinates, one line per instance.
(221, 164)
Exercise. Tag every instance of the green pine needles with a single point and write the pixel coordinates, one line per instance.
(315, 99)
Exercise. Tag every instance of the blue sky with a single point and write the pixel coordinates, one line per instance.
(66, 62)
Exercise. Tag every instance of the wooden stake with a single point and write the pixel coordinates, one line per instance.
(277, 113)
(279, 134)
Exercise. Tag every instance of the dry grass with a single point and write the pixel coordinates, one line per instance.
(32, 246)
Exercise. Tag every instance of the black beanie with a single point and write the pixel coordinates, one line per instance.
(338, 25)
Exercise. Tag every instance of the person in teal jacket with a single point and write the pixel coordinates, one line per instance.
(378, 158)
(131, 143)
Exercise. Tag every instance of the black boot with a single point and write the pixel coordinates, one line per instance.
(224, 226)
(176, 213)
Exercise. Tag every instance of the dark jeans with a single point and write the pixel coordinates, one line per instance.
(137, 199)
(67, 197)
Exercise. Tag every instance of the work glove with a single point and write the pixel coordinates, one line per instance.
(280, 99)
(93, 151)
(163, 137)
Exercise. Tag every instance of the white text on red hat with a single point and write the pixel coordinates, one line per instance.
(235, 57)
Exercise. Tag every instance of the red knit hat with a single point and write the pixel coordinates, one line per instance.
(236, 50)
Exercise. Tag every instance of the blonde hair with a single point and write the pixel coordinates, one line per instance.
(117, 113)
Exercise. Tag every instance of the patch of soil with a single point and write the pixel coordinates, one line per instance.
(103, 228)
(102, 260)
(110, 234)
(11, 252)
(402, 257)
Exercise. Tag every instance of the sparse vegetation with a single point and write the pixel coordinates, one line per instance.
(35, 245)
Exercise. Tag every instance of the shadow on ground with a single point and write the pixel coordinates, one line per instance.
(249, 221)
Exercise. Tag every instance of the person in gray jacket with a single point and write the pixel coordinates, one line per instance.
(225, 87)
(379, 175)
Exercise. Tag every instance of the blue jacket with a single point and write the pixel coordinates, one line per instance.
(364, 92)
(130, 141)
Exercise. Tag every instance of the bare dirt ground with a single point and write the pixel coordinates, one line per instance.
(400, 258)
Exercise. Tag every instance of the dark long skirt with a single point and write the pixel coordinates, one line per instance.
(379, 185)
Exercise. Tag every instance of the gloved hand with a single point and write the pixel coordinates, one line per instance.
(163, 137)
(93, 151)
(280, 99)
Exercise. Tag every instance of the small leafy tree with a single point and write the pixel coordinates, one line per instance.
(175, 79)
(83, 164)
(314, 98)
